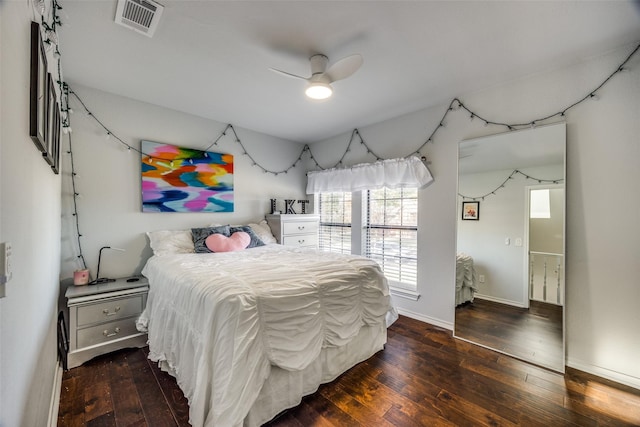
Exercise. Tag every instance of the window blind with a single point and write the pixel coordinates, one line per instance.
(335, 222)
(391, 237)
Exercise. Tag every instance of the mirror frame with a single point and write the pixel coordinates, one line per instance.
(458, 199)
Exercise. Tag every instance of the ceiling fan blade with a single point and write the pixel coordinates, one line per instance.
(289, 74)
(344, 67)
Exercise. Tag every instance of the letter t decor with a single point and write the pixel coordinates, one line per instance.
(303, 203)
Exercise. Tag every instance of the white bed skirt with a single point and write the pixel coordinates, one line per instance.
(285, 389)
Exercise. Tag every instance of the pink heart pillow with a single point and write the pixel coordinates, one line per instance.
(221, 243)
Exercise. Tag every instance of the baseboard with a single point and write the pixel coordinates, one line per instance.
(54, 405)
(426, 319)
(608, 374)
(499, 300)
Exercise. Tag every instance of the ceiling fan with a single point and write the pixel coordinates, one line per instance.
(319, 86)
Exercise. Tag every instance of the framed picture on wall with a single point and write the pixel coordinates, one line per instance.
(50, 131)
(55, 139)
(38, 90)
(471, 211)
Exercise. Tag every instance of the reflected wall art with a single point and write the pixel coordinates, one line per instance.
(177, 179)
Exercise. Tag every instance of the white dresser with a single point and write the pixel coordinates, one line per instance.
(295, 229)
(102, 318)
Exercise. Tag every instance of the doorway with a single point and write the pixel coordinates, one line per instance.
(545, 238)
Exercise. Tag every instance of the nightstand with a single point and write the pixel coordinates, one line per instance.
(102, 318)
(299, 230)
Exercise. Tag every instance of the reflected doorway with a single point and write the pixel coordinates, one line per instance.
(545, 231)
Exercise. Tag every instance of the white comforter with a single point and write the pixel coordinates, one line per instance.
(220, 320)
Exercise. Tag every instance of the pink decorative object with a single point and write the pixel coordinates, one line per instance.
(221, 243)
(81, 277)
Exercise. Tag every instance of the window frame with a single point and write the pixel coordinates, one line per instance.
(359, 207)
(410, 271)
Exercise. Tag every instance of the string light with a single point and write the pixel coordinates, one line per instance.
(502, 185)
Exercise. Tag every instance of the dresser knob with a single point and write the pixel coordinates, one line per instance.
(107, 334)
(115, 310)
(301, 241)
(301, 227)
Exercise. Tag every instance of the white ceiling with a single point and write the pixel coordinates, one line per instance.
(212, 58)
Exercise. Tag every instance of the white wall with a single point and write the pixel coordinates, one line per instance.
(602, 186)
(30, 221)
(108, 180)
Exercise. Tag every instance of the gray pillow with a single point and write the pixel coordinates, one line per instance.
(199, 236)
(255, 240)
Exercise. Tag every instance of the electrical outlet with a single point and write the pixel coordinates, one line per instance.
(481, 278)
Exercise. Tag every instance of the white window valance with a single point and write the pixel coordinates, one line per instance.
(393, 173)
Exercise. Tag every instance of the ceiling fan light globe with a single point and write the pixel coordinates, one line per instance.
(319, 90)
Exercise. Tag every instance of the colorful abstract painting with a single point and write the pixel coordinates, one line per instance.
(177, 179)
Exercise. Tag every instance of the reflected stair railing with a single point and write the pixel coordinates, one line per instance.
(539, 265)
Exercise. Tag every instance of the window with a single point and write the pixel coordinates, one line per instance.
(335, 222)
(540, 207)
(391, 234)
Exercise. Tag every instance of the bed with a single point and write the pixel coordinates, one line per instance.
(466, 279)
(248, 333)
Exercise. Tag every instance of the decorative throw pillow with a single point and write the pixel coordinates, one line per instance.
(255, 240)
(263, 232)
(221, 243)
(200, 235)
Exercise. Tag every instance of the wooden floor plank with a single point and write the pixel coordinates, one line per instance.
(152, 399)
(126, 401)
(424, 377)
(97, 400)
(71, 409)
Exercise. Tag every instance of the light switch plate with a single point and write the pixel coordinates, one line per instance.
(5, 262)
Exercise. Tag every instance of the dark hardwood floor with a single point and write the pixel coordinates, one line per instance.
(424, 377)
(533, 334)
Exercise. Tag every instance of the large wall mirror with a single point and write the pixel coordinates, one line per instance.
(510, 281)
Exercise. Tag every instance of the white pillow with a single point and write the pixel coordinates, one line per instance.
(263, 231)
(167, 242)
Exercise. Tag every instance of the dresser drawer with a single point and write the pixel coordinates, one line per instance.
(299, 227)
(109, 310)
(301, 240)
(106, 332)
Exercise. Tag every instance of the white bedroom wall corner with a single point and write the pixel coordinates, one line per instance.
(30, 220)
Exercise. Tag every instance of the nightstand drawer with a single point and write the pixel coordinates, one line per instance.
(106, 332)
(110, 310)
(299, 227)
(302, 240)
